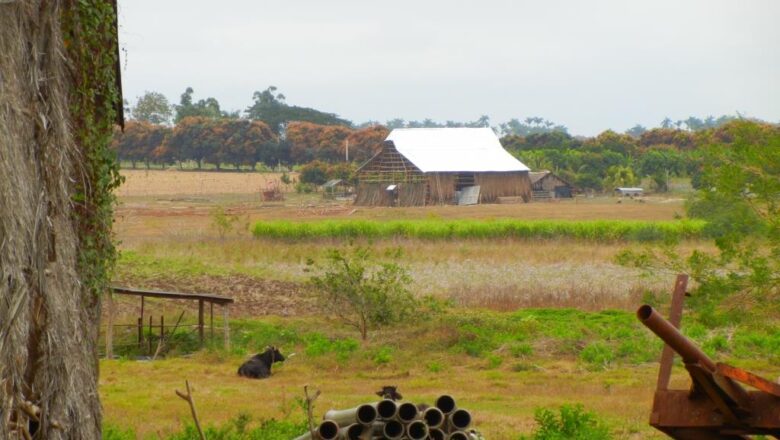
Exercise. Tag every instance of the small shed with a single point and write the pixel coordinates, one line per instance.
(336, 188)
(427, 166)
(629, 191)
(548, 185)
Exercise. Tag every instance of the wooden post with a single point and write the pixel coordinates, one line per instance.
(140, 333)
(141, 324)
(200, 321)
(110, 325)
(211, 318)
(150, 334)
(162, 328)
(226, 329)
(675, 317)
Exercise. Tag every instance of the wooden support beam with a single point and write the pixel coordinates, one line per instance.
(141, 324)
(110, 325)
(226, 328)
(200, 321)
(140, 333)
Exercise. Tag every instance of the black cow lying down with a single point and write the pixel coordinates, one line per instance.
(259, 365)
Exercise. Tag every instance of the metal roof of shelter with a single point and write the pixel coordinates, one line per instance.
(332, 183)
(536, 176)
(454, 150)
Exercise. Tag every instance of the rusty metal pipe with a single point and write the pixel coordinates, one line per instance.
(688, 351)
(363, 414)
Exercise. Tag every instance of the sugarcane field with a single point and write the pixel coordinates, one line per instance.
(342, 221)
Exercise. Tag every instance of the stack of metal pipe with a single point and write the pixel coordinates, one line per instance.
(391, 420)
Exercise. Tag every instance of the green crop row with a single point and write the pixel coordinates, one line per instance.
(590, 230)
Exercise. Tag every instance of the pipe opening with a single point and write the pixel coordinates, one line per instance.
(393, 429)
(418, 430)
(458, 435)
(461, 419)
(436, 434)
(433, 417)
(329, 430)
(354, 432)
(445, 403)
(366, 414)
(407, 412)
(386, 409)
(644, 312)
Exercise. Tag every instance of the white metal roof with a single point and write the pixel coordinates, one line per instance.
(454, 149)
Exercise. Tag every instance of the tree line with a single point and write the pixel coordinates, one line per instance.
(273, 133)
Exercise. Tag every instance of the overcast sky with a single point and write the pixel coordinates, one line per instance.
(590, 65)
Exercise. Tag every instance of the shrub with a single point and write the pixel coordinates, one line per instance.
(304, 188)
(363, 293)
(222, 221)
(573, 423)
(315, 172)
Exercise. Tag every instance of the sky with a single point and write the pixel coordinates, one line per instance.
(591, 65)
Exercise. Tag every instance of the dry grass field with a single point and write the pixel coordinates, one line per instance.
(168, 239)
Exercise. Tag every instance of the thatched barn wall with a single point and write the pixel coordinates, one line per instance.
(495, 185)
(376, 194)
(441, 188)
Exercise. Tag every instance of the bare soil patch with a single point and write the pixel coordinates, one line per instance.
(253, 297)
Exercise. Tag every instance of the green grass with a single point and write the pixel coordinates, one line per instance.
(587, 230)
(240, 428)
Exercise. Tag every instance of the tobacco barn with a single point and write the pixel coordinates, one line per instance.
(433, 166)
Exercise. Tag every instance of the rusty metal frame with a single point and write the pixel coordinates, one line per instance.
(716, 407)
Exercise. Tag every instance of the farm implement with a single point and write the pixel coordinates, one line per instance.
(716, 407)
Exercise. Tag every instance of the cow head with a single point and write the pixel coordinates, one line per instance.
(272, 354)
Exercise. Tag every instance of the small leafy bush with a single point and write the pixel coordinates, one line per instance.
(364, 293)
(572, 423)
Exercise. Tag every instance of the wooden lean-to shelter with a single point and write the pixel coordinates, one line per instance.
(433, 166)
(547, 185)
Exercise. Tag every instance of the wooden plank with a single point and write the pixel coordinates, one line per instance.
(675, 318)
(172, 295)
(749, 378)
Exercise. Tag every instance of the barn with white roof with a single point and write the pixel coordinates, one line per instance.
(431, 166)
